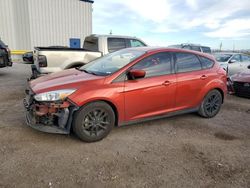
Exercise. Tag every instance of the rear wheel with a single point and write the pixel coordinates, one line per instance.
(211, 104)
(94, 121)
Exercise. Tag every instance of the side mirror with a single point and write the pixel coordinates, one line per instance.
(232, 61)
(248, 66)
(135, 74)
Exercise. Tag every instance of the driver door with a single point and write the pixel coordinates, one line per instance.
(155, 93)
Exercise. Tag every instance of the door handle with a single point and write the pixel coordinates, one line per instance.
(166, 83)
(203, 77)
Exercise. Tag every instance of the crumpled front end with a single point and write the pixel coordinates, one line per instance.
(50, 117)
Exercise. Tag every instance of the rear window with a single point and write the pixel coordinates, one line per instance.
(115, 44)
(91, 43)
(206, 63)
(186, 62)
(196, 48)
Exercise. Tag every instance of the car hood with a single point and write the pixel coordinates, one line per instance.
(67, 79)
(241, 77)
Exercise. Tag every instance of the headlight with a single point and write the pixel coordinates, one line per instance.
(54, 95)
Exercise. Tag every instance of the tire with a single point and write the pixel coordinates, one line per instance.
(211, 104)
(94, 121)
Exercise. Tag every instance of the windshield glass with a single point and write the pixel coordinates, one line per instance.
(112, 62)
(222, 57)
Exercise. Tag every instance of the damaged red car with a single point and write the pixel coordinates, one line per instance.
(127, 86)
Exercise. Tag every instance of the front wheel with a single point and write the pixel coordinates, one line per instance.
(211, 104)
(94, 121)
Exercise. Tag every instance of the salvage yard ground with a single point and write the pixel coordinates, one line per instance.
(181, 151)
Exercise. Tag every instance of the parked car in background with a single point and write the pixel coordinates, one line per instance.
(5, 55)
(54, 59)
(28, 57)
(195, 47)
(127, 86)
(233, 62)
(239, 83)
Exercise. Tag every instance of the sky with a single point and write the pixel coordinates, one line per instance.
(167, 22)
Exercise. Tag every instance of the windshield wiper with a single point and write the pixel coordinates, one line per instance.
(89, 72)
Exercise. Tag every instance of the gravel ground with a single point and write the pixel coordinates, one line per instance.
(181, 151)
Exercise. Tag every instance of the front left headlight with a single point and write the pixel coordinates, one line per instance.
(54, 95)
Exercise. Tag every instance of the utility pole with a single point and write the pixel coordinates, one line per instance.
(110, 32)
(220, 46)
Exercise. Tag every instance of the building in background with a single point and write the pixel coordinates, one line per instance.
(28, 23)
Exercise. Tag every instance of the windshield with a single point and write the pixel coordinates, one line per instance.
(222, 57)
(112, 62)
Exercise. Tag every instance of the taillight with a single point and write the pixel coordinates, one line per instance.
(42, 61)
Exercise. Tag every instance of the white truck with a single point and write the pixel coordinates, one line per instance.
(54, 59)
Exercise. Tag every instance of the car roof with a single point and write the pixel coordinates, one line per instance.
(169, 49)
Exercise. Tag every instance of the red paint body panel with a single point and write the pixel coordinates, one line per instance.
(140, 98)
(149, 96)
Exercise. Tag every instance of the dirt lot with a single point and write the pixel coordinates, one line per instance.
(182, 151)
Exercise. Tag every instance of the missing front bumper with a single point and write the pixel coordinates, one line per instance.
(43, 120)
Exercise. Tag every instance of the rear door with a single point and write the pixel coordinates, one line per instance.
(154, 94)
(190, 80)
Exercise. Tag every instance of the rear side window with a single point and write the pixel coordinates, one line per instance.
(91, 43)
(186, 62)
(115, 44)
(155, 65)
(206, 63)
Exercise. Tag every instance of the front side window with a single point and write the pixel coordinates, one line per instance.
(186, 62)
(112, 62)
(115, 44)
(155, 65)
(135, 43)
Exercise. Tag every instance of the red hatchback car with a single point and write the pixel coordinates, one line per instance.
(124, 87)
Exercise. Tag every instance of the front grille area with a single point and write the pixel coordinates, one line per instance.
(242, 89)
